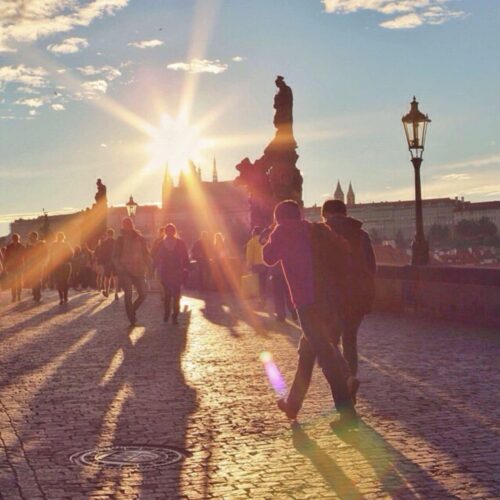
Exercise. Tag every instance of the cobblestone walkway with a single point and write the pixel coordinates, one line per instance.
(75, 377)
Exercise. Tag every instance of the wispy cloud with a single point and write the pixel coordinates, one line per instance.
(200, 66)
(409, 13)
(481, 161)
(68, 46)
(25, 75)
(58, 107)
(238, 58)
(146, 44)
(94, 88)
(108, 72)
(31, 102)
(22, 21)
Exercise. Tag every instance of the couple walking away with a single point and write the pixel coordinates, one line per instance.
(329, 268)
(132, 260)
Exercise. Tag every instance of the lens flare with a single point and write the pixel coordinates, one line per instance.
(273, 374)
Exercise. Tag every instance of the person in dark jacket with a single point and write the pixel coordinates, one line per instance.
(14, 266)
(300, 248)
(361, 283)
(61, 255)
(201, 254)
(131, 260)
(35, 265)
(172, 263)
(106, 255)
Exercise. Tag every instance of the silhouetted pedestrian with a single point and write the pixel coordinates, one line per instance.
(172, 263)
(14, 265)
(61, 255)
(255, 262)
(35, 265)
(106, 256)
(201, 254)
(312, 257)
(131, 260)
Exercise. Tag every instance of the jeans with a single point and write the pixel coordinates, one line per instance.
(347, 330)
(171, 297)
(281, 296)
(37, 290)
(127, 282)
(16, 281)
(316, 343)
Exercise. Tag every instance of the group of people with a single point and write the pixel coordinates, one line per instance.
(37, 264)
(329, 269)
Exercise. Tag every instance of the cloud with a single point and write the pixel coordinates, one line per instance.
(238, 58)
(58, 107)
(27, 90)
(453, 177)
(108, 72)
(482, 161)
(31, 77)
(409, 13)
(33, 112)
(92, 89)
(146, 44)
(200, 66)
(68, 46)
(31, 102)
(22, 21)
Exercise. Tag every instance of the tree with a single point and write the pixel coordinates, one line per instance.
(439, 235)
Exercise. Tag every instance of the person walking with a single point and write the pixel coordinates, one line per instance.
(313, 257)
(281, 295)
(86, 273)
(361, 278)
(76, 268)
(14, 266)
(61, 255)
(131, 259)
(255, 263)
(35, 265)
(106, 256)
(172, 264)
(200, 253)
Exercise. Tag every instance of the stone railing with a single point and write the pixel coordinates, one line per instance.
(457, 293)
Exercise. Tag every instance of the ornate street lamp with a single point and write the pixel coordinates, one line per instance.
(415, 126)
(131, 207)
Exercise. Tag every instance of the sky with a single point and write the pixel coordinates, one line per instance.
(116, 88)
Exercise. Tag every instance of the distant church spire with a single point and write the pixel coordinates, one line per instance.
(215, 176)
(339, 194)
(351, 197)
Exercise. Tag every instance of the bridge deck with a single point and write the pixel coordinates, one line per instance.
(76, 377)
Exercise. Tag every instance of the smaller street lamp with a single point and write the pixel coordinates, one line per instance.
(131, 207)
(415, 125)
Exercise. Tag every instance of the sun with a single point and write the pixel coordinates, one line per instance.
(175, 143)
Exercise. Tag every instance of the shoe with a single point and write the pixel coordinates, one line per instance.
(105, 293)
(348, 421)
(116, 296)
(352, 387)
(285, 408)
(61, 302)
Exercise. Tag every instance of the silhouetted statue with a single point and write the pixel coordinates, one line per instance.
(100, 196)
(274, 177)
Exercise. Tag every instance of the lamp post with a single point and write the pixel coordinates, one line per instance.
(131, 207)
(415, 126)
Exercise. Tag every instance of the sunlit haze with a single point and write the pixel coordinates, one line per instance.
(119, 90)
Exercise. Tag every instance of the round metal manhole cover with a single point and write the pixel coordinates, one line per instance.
(142, 457)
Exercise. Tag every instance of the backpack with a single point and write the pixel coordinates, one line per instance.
(330, 254)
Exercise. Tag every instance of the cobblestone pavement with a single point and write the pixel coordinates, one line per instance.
(76, 377)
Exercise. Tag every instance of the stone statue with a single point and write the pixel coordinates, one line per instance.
(274, 177)
(100, 196)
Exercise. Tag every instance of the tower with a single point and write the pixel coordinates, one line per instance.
(351, 197)
(166, 187)
(339, 194)
(215, 176)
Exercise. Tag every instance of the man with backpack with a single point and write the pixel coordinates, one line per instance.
(131, 260)
(361, 284)
(314, 259)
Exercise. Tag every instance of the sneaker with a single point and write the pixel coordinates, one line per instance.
(352, 387)
(348, 421)
(285, 408)
(105, 293)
